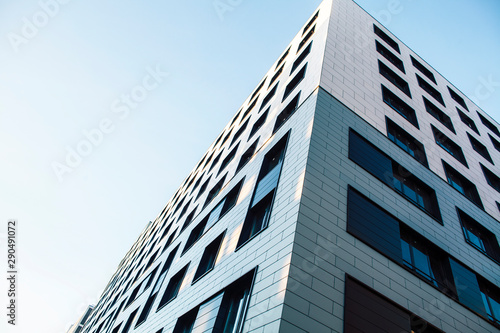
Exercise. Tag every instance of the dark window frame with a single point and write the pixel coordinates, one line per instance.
(294, 82)
(385, 37)
(479, 148)
(439, 115)
(468, 189)
(398, 105)
(406, 142)
(424, 70)
(394, 78)
(449, 146)
(434, 93)
(391, 57)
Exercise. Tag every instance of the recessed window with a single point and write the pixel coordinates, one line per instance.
(492, 179)
(468, 121)
(117, 328)
(249, 109)
(130, 319)
(247, 155)
(399, 106)
(283, 57)
(208, 258)
(133, 295)
(489, 124)
(255, 93)
(311, 21)
(301, 58)
(462, 184)
(390, 56)
(169, 240)
(294, 82)
(406, 142)
(495, 142)
(287, 112)
(203, 187)
(458, 99)
(424, 70)
(184, 210)
(439, 115)
(479, 237)
(430, 90)
(195, 186)
(228, 159)
(258, 124)
(480, 148)
(189, 219)
(210, 157)
(447, 144)
(306, 38)
(232, 122)
(391, 42)
(173, 287)
(394, 78)
(225, 139)
(185, 323)
(214, 191)
(195, 234)
(276, 75)
(258, 215)
(491, 300)
(269, 96)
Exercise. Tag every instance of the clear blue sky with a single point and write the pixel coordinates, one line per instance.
(69, 76)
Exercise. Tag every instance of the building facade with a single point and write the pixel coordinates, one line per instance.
(356, 190)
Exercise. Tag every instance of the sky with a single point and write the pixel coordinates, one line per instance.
(105, 107)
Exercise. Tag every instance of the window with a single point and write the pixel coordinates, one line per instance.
(458, 99)
(117, 328)
(287, 112)
(467, 121)
(258, 124)
(189, 219)
(392, 174)
(489, 124)
(255, 93)
(424, 70)
(197, 184)
(203, 188)
(173, 287)
(234, 119)
(247, 155)
(311, 21)
(390, 56)
(169, 240)
(185, 323)
(399, 106)
(244, 116)
(214, 191)
(216, 160)
(276, 75)
(386, 38)
(394, 78)
(133, 295)
(295, 82)
(131, 318)
(258, 215)
(406, 142)
(208, 258)
(195, 234)
(211, 155)
(301, 58)
(269, 96)
(283, 58)
(492, 179)
(495, 142)
(462, 185)
(480, 148)
(479, 237)
(184, 210)
(228, 159)
(439, 115)
(430, 90)
(491, 300)
(306, 38)
(451, 147)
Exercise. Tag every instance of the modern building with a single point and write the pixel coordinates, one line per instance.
(78, 326)
(356, 190)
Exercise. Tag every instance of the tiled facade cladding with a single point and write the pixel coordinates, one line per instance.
(304, 253)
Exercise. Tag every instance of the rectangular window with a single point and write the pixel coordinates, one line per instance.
(203, 187)
(306, 38)
(189, 219)
(239, 132)
(276, 75)
(253, 95)
(479, 237)
(462, 185)
(283, 57)
(301, 58)
(185, 323)
(492, 179)
(208, 258)
(184, 210)
(447, 144)
(216, 160)
(491, 300)
(310, 23)
(495, 142)
(391, 42)
(295, 82)
(442, 117)
(196, 234)
(430, 90)
(287, 112)
(258, 124)
(131, 318)
(214, 191)
(169, 240)
(458, 99)
(406, 142)
(258, 215)
(468, 121)
(489, 124)
(228, 159)
(247, 155)
(173, 287)
(390, 56)
(424, 70)
(394, 78)
(399, 106)
(269, 96)
(480, 148)
(392, 174)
